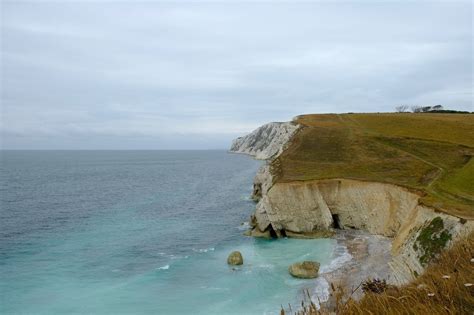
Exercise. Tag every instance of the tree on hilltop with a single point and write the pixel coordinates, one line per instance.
(401, 108)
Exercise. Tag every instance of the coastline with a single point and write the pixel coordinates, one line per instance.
(384, 227)
(370, 255)
(358, 256)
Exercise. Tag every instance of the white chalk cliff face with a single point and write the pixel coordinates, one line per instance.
(307, 207)
(303, 208)
(265, 142)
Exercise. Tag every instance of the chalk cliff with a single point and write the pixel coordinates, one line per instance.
(303, 208)
(266, 141)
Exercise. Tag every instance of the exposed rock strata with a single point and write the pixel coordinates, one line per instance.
(304, 207)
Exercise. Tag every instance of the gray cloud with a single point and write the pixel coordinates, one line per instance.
(164, 75)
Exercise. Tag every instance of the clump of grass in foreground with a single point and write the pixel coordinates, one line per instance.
(446, 287)
(375, 285)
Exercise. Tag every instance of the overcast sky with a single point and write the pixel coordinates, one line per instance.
(189, 75)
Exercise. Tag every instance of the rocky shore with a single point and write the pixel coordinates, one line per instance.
(370, 259)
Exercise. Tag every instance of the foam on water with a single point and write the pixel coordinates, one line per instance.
(244, 226)
(341, 257)
(203, 250)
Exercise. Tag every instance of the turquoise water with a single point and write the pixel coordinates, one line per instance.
(141, 232)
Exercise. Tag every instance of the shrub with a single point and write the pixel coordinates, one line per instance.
(374, 285)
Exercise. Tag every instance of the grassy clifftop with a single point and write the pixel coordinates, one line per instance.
(430, 153)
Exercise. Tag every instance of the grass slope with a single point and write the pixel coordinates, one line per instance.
(430, 153)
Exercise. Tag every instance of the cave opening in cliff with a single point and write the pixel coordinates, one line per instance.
(273, 233)
(336, 223)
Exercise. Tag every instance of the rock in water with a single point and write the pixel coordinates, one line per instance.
(235, 258)
(304, 270)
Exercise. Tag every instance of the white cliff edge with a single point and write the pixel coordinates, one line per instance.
(265, 142)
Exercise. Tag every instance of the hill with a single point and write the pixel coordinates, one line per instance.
(427, 153)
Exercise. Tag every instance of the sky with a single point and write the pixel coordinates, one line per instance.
(195, 75)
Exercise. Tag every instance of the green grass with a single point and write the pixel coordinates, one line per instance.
(430, 153)
(461, 181)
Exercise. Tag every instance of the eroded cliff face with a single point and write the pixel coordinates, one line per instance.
(306, 208)
(423, 235)
(265, 142)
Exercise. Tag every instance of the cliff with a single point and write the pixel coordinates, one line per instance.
(298, 209)
(266, 141)
(300, 192)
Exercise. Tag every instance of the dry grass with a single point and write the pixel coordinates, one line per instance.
(454, 128)
(440, 290)
(430, 153)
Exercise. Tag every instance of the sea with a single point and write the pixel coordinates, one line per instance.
(143, 232)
